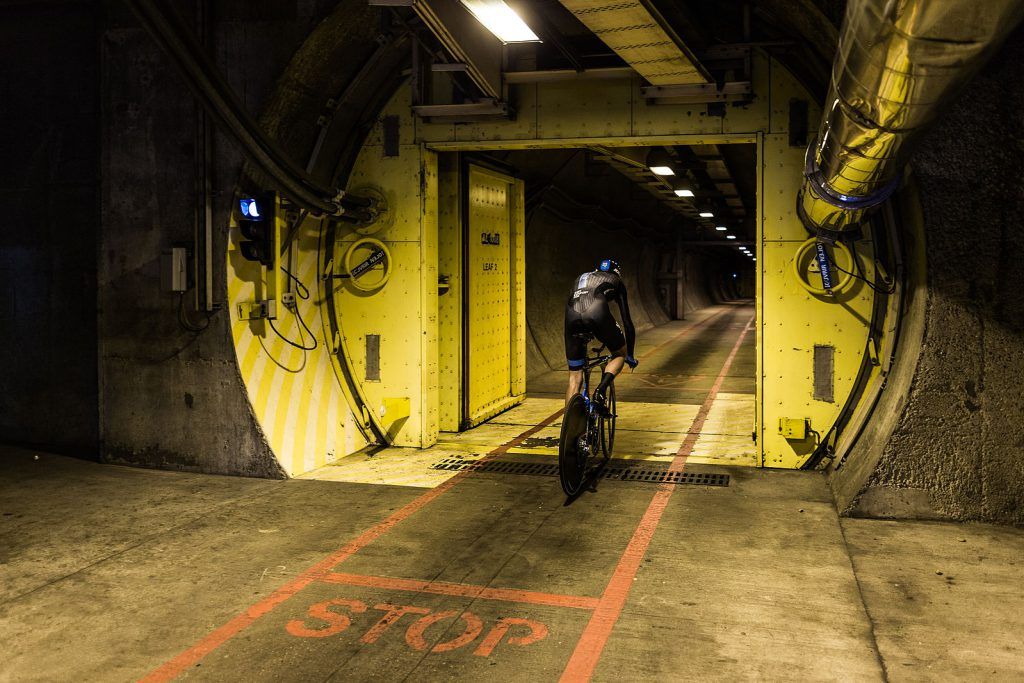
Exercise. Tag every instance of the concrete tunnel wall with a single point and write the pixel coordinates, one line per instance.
(556, 247)
(49, 227)
(558, 250)
(169, 397)
(956, 446)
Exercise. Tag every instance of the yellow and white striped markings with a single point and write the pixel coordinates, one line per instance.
(645, 431)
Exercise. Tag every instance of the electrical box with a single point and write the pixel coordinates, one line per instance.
(793, 428)
(174, 270)
(394, 409)
(255, 310)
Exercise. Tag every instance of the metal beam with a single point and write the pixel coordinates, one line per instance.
(718, 243)
(556, 75)
(466, 40)
(472, 111)
(699, 93)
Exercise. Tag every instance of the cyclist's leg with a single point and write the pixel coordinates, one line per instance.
(575, 352)
(607, 331)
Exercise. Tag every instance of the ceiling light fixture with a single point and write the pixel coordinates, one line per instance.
(683, 192)
(730, 237)
(660, 162)
(501, 20)
(706, 214)
(721, 228)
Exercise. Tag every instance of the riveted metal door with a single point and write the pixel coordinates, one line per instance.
(494, 319)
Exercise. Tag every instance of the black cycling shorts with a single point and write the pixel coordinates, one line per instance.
(580, 327)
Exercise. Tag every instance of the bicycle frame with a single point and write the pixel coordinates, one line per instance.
(587, 367)
(588, 437)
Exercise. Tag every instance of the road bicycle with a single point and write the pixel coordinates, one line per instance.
(588, 432)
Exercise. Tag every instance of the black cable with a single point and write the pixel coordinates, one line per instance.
(860, 269)
(301, 289)
(289, 341)
(303, 323)
(303, 293)
(853, 255)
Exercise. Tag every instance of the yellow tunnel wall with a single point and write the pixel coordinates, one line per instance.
(406, 312)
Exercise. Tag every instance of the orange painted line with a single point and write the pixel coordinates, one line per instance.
(462, 590)
(595, 636)
(213, 640)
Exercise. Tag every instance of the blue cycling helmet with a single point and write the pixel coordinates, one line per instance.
(610, 266)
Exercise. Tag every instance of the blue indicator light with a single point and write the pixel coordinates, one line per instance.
(250, 209)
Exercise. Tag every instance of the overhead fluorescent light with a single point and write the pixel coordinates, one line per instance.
(684, 193)
(706, 214)
(660, 161)
(721, 228)
(730, 237)
(501, 20)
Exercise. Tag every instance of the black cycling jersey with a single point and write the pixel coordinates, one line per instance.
(587, 314)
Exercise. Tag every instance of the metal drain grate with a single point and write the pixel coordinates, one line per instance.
(651, 475)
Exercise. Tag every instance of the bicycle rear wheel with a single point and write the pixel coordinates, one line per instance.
(608, 423)
(572, 447)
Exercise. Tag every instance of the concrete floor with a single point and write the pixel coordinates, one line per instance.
(385, 569)
(109, 573)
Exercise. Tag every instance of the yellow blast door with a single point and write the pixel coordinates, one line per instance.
(495, 311)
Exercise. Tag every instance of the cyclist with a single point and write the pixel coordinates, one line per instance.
(588, 315)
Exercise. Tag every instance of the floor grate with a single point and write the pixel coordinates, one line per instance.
(650, 475)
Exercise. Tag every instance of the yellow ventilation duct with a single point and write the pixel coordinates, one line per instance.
(899, 62)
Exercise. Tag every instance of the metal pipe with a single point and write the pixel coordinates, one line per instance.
(899, 63)
(210, 88)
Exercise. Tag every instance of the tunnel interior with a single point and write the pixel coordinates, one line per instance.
(330, 97)
(811, 460)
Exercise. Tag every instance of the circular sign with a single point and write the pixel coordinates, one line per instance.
(368, 264)
(808, 272)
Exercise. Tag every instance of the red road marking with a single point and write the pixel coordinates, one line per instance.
(336, 623)
(607, 610)
(416, 640)
(174, 667)
(393, 614)
(538, 631)
(462, 590)
(588, 650)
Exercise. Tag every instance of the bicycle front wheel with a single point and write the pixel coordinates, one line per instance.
(608, 423)
(572, 447)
